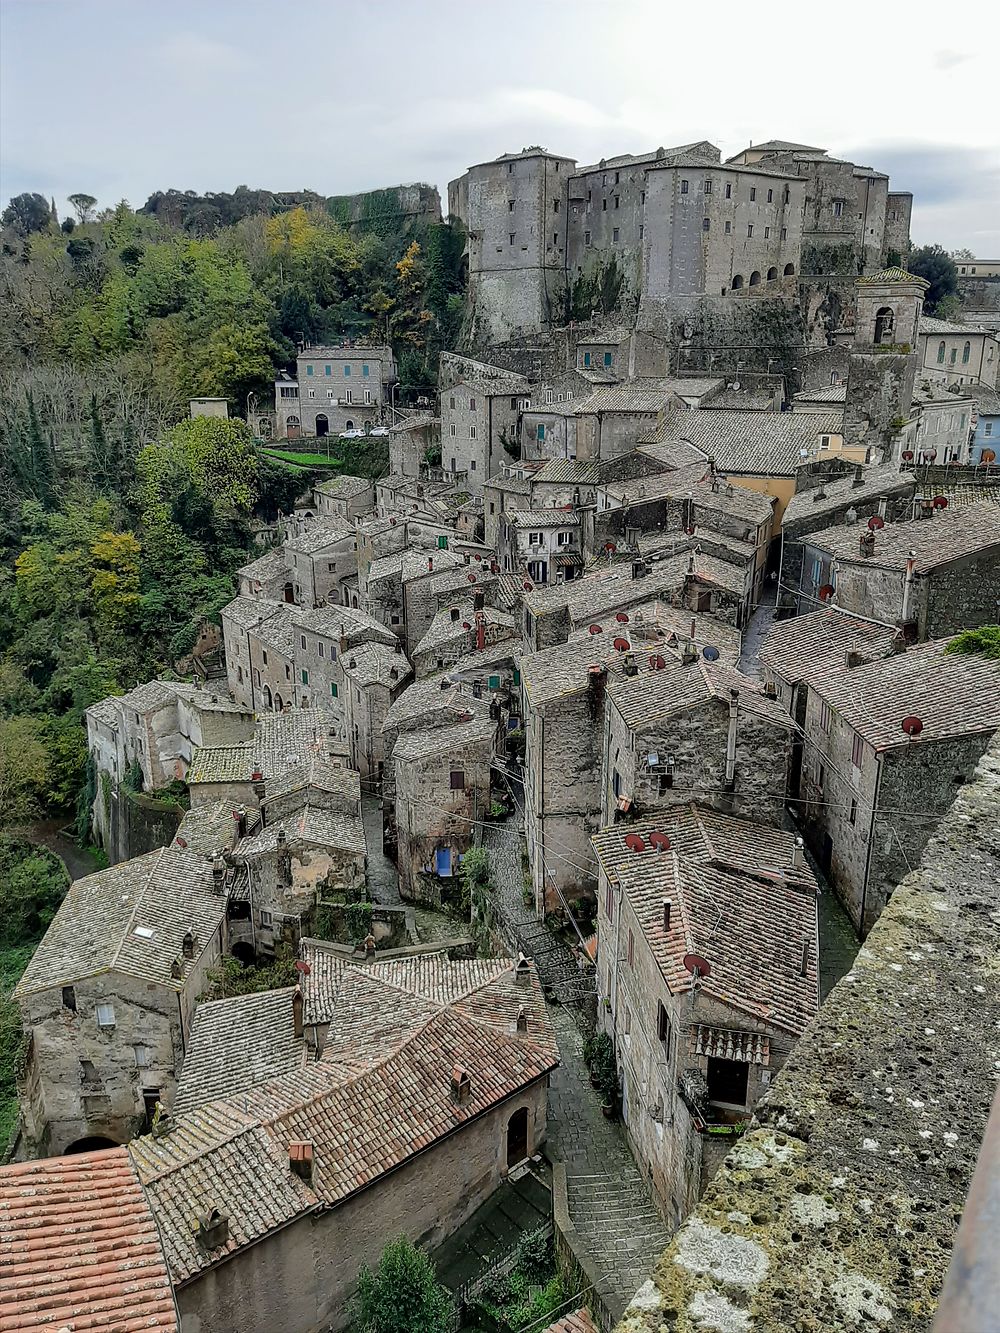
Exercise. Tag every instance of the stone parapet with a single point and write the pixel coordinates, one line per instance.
(839, 1208)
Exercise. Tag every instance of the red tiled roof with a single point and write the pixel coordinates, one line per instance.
(578, 1322)
(79, 1249)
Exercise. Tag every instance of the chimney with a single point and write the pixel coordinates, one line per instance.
(478, 601)
(522, 970)
(454, 613)
(631, 667)
(691, 563)
(854, 658)
(461, 1085)
(522, 1019)
(638, 569)
(218, 874)
(926, 507)
(480, 631)
(867, 543)
(859, 476)
(257, 782)
(911, 564)
(300, 1159)
(176, 970)
(187, 945)
(798, 854)
(666, 914)
(689, 653)
(213, 1230)
(734, 705)
(297, 1003)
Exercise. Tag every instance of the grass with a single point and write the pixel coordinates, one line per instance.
(303, 460)
(13, 961)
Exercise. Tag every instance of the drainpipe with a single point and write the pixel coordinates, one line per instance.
(734, 704)
(540, 819)
(871, 843)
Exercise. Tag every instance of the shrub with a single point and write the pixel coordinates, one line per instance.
(33, 882)
(402, 1295)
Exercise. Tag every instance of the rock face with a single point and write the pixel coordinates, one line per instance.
(839, 1208)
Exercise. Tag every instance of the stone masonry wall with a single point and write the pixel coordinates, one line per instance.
(838, 1210)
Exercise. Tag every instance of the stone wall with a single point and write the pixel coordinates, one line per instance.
(838, 1210)
(962, 595)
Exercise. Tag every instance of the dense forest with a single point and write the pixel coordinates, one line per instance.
(122, 521)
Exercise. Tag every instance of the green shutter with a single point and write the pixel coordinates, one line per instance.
(442, 543)
(517, 677)
(333, 690)
(494, 682)
(305, 676)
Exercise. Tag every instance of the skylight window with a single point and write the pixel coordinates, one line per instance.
(144, 932)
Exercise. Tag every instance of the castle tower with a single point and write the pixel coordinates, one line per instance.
(883, 358)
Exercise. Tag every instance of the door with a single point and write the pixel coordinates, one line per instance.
(442, 861)
(517, 1137)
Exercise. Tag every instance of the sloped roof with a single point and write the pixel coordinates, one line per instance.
(271, 565)
(651, 696)
(951, 534)
(375, 664)
(805, 647)
(953, 694)
(320, 533)
(444, 628)
(542, 518)
(637, 396)
(889, 275)
(344, 487)
(931, 326)
(739, 901)
(844, 491)
(422, 743)
(752, 443)
(79, 1248)
(310, 824)
(282, 742)
(336, 621)
(96, 929)
(379, 1093)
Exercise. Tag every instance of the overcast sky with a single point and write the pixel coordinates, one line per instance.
(119, 98)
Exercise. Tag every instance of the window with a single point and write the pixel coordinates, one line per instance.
(143, 1057)
(684, 187)
(854, 811)
(586, 359)
(729, 228)
(512, 234)
(642, 197)
(510, 205)
(825, 716)
(988, 428)
(857, 752)
(309, 370)
(965, 353)
(770, 196)
(105, 1016)
(609, 903)
(69, 998)
(708, 186)
(364, 372)
(609, 358)
(348, 395)
(604, 205)
(838, 208)
(641, 230)
(614, 234)
(788, 194)
(563, 538)
(767, 233)
(540, 433)
(954, 355)
(472, 404)
(472, 465)
(311, 393)
(749, 228)
(617, 201)
(941, 351)
(302, 640)
(729, 189)
(453, 430)
(617, 177)
(555, 238)
(555, 205)
(368, 395)
(631, 949)
(586, 238)
(784, 233)
(663, 1024)
(319, 649)
(472, 432)
(330, 394)
(753, 193)
(347, 372)
(457, 779)
(305, 676)
(451, 400)
(333, 688)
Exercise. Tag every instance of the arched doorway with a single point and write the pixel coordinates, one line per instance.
(348, 425)
(243, 952)
(293, 428)
(517, 1137)
(289, 593)
(267, 696)
(322, 425)
(789, 270)
(91, 1143)
(278, 703)
(772, 273)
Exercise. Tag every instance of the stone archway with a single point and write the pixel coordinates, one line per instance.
(91, 1143)
(517, 1137)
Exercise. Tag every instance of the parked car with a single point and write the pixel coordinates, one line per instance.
(352, 435)
(379, 430)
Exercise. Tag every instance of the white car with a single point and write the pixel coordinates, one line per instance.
(379, 430)
(352, 435)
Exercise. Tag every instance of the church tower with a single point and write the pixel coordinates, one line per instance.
(883, 358)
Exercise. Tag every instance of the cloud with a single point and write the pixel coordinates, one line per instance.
(189, 53)
(949, 59)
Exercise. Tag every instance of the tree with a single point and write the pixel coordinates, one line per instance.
(985, 641)
(83, 205)
(402, 1295)
(214, 459)
(962, 256)
(935, 265)
(33, 883)
(27, 213)
(24, 769)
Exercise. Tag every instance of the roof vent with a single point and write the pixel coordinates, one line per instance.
(461, 1085)
(300, 1159)
(522, 1019)
(213, 1230)
(522, 970)
(798, 854)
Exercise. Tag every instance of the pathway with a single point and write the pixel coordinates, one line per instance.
(383, 881)
(757, 626)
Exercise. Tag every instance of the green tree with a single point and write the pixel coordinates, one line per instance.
(26, 213)
(985, 641)
(24, 769)
(33, 883)
(935, 265)
(402, 1295)
(208, 459)
(83, 206)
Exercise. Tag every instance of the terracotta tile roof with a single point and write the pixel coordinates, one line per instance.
(953, 694)
(79, 1248)
(672, 454)
(804, 647)
(577, 1322)
(445, 629)
(738, 901)
(567, 471)
(380, 1093)
(130, 918)
(652, 695)
(752, 443)
(890, 275)
(950, 535)
(207, 828)
(932, 327)
(646, 397)
(845, 491)
(315, 773)
(432, 702)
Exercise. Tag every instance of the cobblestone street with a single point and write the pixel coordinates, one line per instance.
(383, 881)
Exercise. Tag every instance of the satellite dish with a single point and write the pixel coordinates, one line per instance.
(660, 841)
(472, 578)
(736, 384)
(610, 548)
(478, 558)
(875, 522)
(697, 965)
(303, 967)
(913, 726)
(622, 645)
(181, 842)
(622, 618)
(988, 456)
(657, 662)
(392, 522)
(940, 502)
(691, 531)
(466, 625)
(596, 629)
(635, 842)
(527, 586)
(907, 454)
(930, 455)
(826, 592)
(710, 653)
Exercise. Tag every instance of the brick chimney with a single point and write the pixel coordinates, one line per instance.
(213, 1230)
(461, 1085)
(522, 971)
(300, 1159)
(297, 1006)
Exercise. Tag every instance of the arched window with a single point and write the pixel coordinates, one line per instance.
(279, 703)
(268, 702)
(755, 279)
(348, 425)
(966, 350)
(885, 322)
(772, 273)
(737, 281)
(941, 352)
(789, 270)
(517, 1137)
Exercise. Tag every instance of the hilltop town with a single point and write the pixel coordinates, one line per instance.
(569, 846)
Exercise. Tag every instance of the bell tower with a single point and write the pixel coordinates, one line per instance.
(883, 358)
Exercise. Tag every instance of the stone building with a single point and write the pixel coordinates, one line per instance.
(693, 731)
(374, 677)
(412, 440)
(141, 742)
(707, 975)
(958, 353)
(466, 626)
(379, 1100)
(886, 743)
(267, 577)
(933, 575)
(338, 388)
(479, 419)
(344, 497)
(541, 544)
(983, 448)
(108, 998)
(883, 358)
(322, 557)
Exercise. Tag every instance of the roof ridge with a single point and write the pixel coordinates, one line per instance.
(140, 899)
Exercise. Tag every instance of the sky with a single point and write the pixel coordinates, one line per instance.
(118, 98)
